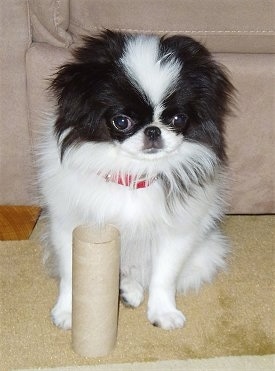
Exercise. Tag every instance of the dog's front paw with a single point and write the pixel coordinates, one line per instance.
(170, 320)
(131, 292)
(62, 317)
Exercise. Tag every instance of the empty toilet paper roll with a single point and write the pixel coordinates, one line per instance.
(95, 290)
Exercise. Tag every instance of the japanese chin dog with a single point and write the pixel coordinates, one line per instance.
(137, 141)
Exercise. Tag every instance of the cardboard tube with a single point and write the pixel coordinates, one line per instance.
(95, 290)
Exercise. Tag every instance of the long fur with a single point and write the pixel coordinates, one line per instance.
(169, 230)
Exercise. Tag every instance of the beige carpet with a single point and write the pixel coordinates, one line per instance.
(232, 316)
(240, 363)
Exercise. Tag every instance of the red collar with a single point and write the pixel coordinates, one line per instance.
(129, 181)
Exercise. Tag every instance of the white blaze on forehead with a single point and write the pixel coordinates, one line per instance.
(151, 73)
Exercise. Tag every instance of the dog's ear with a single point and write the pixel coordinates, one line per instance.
(206, 77)
(104, 48)
(207, 86)
(75, 82)
(76, 87)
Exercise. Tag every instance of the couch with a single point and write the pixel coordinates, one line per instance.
(37, 35)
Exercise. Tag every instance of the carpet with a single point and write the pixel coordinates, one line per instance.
(241, 363)
(232, 316)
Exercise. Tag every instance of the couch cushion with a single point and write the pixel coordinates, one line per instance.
(50, 21)
(245, 26)
(15, 153)
(42, 61)
(251, 133)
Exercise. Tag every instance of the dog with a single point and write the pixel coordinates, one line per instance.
(137, 141)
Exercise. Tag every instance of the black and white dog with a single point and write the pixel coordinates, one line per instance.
(137, 141)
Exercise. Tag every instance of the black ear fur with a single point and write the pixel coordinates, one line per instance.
(76, 86)
(209, 87)
(103, 49)
(207, 77)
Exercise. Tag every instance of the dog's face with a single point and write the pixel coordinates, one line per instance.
(144, 94)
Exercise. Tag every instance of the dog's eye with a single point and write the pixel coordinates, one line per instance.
(179, 121)
(122, 123)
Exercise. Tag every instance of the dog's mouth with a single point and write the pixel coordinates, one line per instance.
(153, 145)
(152, 150)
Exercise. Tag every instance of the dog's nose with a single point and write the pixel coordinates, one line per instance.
(152, 132)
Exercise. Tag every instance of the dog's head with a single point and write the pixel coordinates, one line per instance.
(146, 95)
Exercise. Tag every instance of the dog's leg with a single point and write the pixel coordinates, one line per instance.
(206, 260)
(62, 311)
(131, 291)
(167, 262)
(134, 267)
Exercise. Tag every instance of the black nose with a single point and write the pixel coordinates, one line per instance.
(152, 132)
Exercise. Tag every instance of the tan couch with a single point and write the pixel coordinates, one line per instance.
(36, 36)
